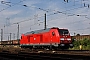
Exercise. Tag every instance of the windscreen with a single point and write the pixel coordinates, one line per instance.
(63, 31)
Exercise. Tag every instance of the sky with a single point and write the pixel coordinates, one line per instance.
(73, 15)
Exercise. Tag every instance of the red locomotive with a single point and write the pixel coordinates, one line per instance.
(47, 38)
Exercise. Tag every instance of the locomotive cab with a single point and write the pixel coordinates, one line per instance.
(65, 38)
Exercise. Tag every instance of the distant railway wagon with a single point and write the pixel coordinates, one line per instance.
(47, 38)
(12, 42)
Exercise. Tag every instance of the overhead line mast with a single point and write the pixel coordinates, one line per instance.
(45, 21)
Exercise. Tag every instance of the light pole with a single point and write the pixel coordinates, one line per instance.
(1, 35)
(18, 33)
(13, 36)
(10, 37)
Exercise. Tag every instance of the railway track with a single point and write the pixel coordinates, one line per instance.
(19, 53)
(40, 56)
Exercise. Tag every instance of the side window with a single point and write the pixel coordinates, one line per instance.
(21, 37)
(33, 32)
(53, 33)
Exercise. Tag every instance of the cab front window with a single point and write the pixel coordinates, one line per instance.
(63, 31)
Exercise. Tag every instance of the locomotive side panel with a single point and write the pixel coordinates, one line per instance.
(45, 38)
(34, 39)
(23, 40)
(54, 36)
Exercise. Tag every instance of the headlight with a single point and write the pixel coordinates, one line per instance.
(68, 38)
(61, 38)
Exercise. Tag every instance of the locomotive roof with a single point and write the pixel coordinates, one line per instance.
(38, 31)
